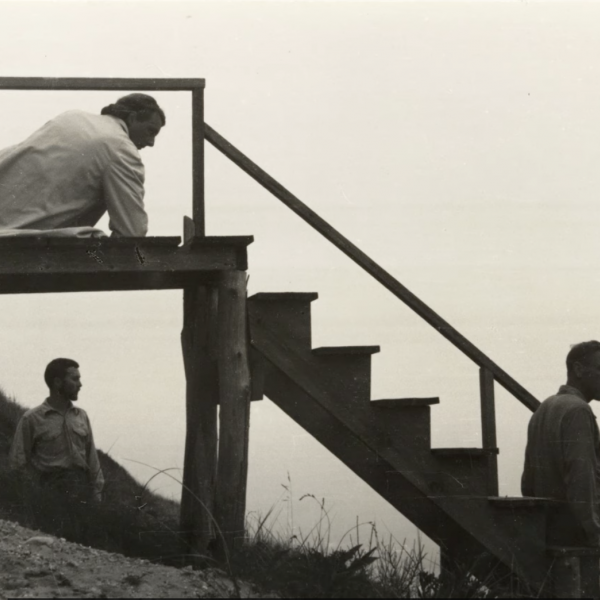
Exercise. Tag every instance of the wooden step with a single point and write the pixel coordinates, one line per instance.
(406, 422)
(517, 502)
(286, 312)
(468, 466)
(337, 350)
(464, 452)
(284, 296)
(400, 403)
(347, 370)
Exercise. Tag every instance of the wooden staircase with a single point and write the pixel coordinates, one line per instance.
(445, 492)
(451, 494)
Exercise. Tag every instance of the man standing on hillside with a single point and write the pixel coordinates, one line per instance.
(78, 166)
(562, 459)
(54, 441)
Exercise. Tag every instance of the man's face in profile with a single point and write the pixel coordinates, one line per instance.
(71, 384)
(590, 376)
(143, 133)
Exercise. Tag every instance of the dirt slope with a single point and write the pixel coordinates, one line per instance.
(35, 565)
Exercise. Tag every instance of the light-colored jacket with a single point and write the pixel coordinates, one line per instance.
(70, 172)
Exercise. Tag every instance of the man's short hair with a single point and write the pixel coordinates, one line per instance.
(581, 353)
(142, 105)
(58, 368)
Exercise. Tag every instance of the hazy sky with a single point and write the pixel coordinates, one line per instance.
(456, 143)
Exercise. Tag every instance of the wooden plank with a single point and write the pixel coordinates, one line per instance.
(101, 83)
(488, 426)
(472, 452)
(572, 551)
(360, 258)
(47, 265)
(240, 241)
(198, 161)
(283, 296)
(336, 350)
(234, 415)
(400, 403)
(516, 502)
(200, 459)
(114, 258)
(41, 241)
(103, 282)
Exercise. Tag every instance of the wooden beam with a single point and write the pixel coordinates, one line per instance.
(30, 265)
(370, 266)
(234, 399)
(100, 83)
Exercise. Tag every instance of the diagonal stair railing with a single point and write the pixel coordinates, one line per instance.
(489, 370)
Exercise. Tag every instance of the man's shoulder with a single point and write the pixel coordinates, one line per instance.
(35, 411)
(564, 404)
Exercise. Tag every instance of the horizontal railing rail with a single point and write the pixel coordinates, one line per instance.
(371, 267)
(100, 83)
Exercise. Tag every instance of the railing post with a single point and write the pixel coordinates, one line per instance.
(198, 160)
(488, 427)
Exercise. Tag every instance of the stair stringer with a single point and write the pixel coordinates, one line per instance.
(448, 514)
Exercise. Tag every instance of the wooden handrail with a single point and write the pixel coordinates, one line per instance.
(369, 265)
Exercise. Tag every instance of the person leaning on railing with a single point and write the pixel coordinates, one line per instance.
(562, 458)
(78, 166)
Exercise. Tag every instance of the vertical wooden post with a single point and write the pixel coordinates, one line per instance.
(488, 426)
(198, 160)
(200, 461)
(234, 415)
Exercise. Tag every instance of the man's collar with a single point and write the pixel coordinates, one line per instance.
(47, 407)
(567, 389)
(122, 124)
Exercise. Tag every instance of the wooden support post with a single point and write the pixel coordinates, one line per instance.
(488, 427)
(234, 415)
(574, 572)
(200, 462)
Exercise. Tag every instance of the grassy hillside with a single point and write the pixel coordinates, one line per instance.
(131, 520)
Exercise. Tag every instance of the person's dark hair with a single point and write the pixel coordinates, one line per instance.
(142, 105)
(58, 368)
(581, 352)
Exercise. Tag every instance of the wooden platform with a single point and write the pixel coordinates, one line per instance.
(46, 264)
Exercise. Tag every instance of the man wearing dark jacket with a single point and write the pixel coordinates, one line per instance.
(562, 459)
